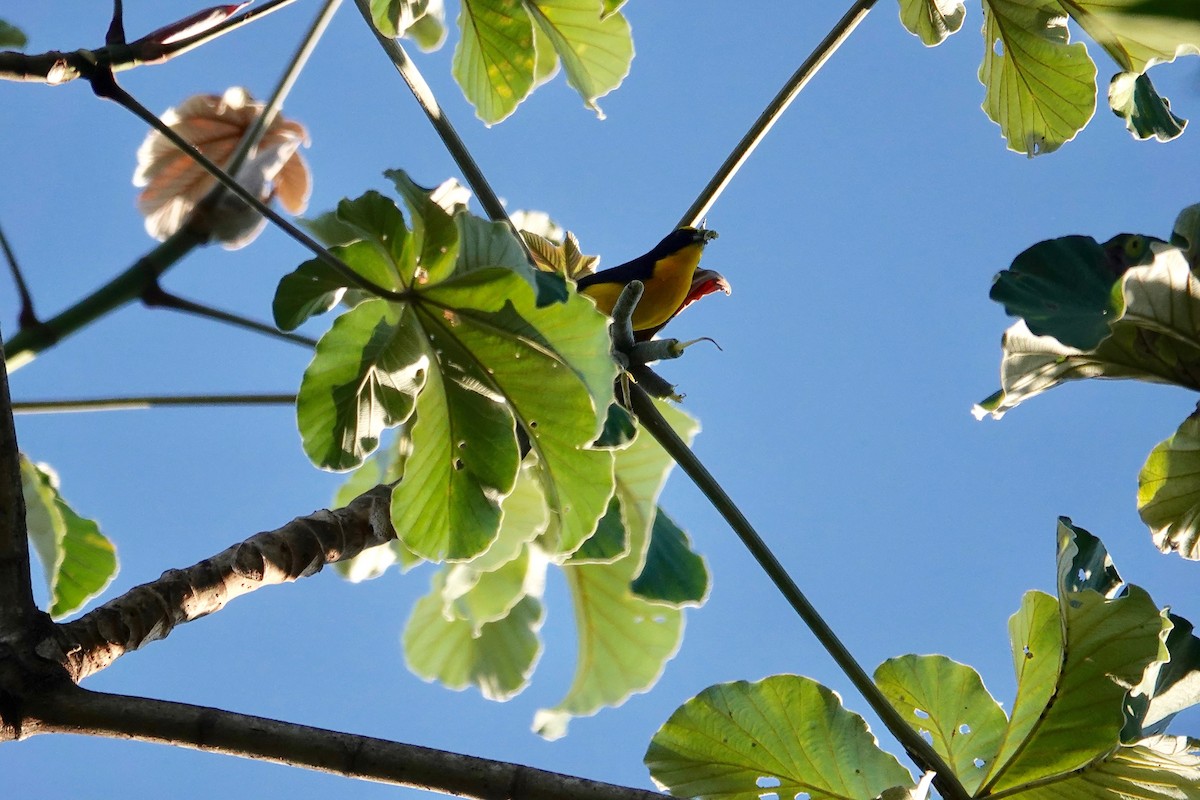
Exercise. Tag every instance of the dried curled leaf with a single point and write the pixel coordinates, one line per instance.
(174, 183)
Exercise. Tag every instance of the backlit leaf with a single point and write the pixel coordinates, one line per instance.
(932, 20)
(785, 735)
(1041, 90)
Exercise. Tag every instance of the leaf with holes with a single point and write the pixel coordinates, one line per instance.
(1169, 491)
(1041, 90)
(949, 702)
(932, 20)
(783, 736)
(1155, 339)
(1074, 657)
(77, 560)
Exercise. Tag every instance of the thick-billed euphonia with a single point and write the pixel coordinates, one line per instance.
(668, 272)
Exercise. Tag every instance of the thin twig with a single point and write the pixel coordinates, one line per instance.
(79, 711)
(16, 584)
(132, 283)
(26, 316)
(774, 110)
(157, 297)
(105, 86)
(472, 174)
(921, 752)
(140, 402)
(56, 67)
(262, 121)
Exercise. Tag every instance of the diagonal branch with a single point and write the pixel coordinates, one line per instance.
(774, 110)
(56, 67)
(16, 585)
(151, 611)
(79, 711)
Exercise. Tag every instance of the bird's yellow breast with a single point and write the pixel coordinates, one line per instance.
(666, 288)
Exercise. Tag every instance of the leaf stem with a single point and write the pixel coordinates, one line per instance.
(920, 751)
(774, 110)
(156, 297)
(137, 402)
(472, 174)
(26, 316)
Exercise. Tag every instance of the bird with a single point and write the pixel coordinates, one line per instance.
(670, 275)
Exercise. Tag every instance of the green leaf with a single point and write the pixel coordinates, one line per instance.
(364, 377)
(464, 458)
(436, 239)
(423, 20)
(1074, 659)
(674, 574)
(1185, 233)
(494, 60)
(1147, 114)
(608, 543)
(1158, 768)
(624, 642)
(1062, 288)
(1169, 491)
(1041, 90)
(369, 235)
(619, 428)
(555, 379)
(481, 598)
(77, 560)
(498, 660)
(1167, 687)
(12, 37)
(1154, 339)
(947, 701)
(1140, 33)
(785, 735)
(596, 49)
(932, 20)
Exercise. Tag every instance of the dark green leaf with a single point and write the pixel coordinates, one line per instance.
(312, 289)
(1147, 114)
(673, 573)
(619, 428)
(608, 543)
(1062, 288)
(437, 239)
(1167, 687)
(12, 37)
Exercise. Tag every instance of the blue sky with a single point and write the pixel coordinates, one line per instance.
(860, 241)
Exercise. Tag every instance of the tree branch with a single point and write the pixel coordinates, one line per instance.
(919, 750)
(453, 143)
(79, 711)
(774, 110)
(16, 584)
(140, 402)
(151, 611)
(56, 67)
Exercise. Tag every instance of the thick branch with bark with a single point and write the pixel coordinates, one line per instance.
(151, 611)
(76, 710)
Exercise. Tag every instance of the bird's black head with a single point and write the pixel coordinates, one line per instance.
(680, 238)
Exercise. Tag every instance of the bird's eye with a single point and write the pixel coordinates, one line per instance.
(1135, 246)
